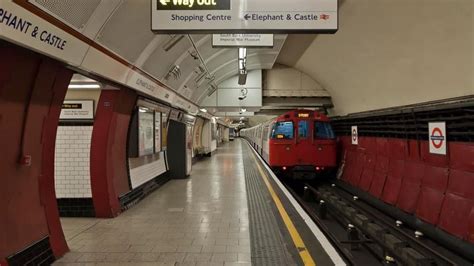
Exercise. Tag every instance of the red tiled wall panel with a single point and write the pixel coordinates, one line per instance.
(437, 189)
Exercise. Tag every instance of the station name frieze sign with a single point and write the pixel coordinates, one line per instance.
(241, 16)
(25, 26)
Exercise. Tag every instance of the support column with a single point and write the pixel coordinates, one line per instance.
(109, 173)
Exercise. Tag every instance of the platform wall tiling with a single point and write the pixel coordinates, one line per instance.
(72, 162)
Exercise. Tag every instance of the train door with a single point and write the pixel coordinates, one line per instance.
(325, 141)
(303, 143)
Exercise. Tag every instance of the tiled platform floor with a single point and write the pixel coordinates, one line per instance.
(199, 221)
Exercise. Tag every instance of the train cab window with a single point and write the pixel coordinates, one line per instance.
(323, 130)
(303, 127)
(283, 130)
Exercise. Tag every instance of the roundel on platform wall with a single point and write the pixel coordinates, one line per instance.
(355, 135)
(437, 138)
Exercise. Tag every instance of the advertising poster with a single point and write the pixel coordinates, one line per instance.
(214, 131)
(164, 130)
(157, 132)
(145, 133)
(189, 149)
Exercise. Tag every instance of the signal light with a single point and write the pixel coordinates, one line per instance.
(284, 168)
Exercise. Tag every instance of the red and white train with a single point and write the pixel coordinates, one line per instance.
(300, 144)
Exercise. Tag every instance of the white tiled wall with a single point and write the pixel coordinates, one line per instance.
(72, 173)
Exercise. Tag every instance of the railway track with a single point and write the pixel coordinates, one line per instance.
(362, 234)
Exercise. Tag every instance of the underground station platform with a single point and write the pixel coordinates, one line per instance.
(236, 132)
(231, 211)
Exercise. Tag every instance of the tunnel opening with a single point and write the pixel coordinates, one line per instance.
(72, 173)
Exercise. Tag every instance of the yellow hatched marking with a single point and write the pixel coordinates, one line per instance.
(295, 236)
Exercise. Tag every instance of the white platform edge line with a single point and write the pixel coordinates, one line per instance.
(327, 246)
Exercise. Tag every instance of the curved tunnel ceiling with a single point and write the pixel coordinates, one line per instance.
(404, 52)
(390, 54)
(124, 28)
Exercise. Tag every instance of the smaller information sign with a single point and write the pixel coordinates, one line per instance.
(355, 135)
(242, 40)
(437, 138)
(77, 110)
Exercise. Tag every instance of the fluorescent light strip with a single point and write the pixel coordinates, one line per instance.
(242, 53)
(84, 86)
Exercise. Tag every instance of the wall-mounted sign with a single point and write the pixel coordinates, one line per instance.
(18, 25)
(437, 138)
(242, 40)
(77, 110)
(355, 135)
(242, 16)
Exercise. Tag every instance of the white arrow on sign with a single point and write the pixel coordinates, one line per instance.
(165, 2)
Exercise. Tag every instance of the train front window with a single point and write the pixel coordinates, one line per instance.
(282, 130)
(303, 127)
(323, 130)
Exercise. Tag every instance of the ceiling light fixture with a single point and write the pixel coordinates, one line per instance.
(242, 53)
(174, 39)
(200, 72)
(84, 86)
(242, 66)
(213, 88)
(212, 85)
(175, 71)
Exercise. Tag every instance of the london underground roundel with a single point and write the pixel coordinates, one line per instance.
(437, 138)
(355, 135)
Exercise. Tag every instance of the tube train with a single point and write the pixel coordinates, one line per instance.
(299, 144)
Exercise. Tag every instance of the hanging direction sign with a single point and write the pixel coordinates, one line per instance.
(242, 16)
(242, 40)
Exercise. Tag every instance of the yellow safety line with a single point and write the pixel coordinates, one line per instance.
(295, 236)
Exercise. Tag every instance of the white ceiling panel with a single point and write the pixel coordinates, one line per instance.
(223, 59)
(123, 27)
(72, 12)
(160, 61)
(127, 32)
